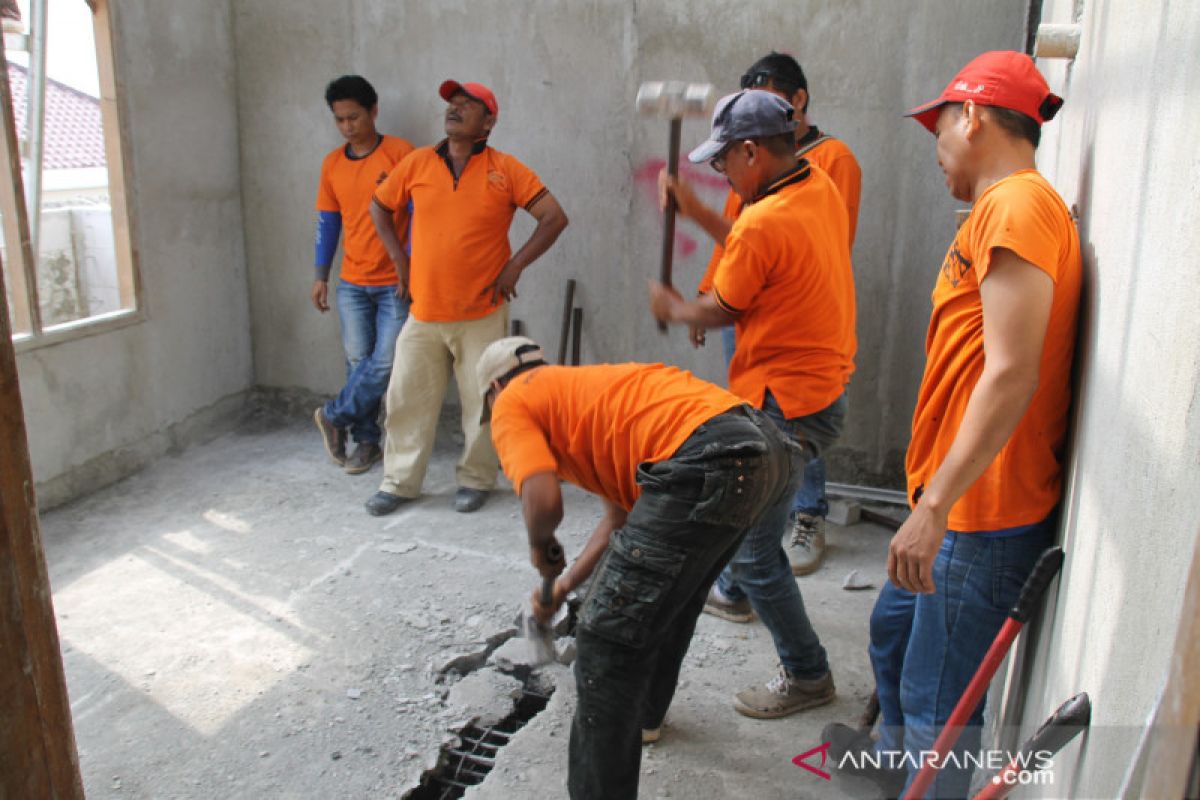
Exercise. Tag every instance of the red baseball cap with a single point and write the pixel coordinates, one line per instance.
(1000, 78)
(475, 91)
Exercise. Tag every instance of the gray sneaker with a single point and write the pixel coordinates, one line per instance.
(721, 606)
(806, 550)
(783, 695)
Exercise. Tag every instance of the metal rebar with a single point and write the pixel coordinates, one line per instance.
(478, 759)
(568, 304)
(577, 326)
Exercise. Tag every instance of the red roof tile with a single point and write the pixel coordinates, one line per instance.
(74, 136)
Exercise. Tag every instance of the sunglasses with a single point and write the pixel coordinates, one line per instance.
(762, 78)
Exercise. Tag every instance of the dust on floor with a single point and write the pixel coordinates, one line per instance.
(234, 625)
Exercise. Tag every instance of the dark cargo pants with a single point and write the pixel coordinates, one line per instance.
(650, 586)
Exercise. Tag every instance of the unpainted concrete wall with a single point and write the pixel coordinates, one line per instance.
(566, 74)
(101, 406)
(1123, 150)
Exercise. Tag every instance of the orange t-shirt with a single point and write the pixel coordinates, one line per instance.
(346, 187)
(786, 275)
(828, 154)
(1024, 214)
(459, 227)
(833, 156)
(593, 425)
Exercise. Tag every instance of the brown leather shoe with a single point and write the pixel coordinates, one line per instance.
(365, 455)
(334, 437)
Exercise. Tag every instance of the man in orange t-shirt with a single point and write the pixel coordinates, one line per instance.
(785, 282)
(684, 468)
(985, 463)
(461, 276)
(782, 75)
(370, 309)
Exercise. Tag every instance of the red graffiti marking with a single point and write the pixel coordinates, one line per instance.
(704, 180)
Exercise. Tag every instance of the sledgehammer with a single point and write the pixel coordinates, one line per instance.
(675, 100)
(541, 637)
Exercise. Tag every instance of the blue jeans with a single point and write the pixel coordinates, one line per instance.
(926, 648)
(371, 317)
(822, 428)
(760, 571)
(641, 608)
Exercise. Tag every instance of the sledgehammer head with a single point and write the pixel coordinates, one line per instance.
(676, 99)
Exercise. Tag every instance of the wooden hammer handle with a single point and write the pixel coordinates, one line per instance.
(668, 242)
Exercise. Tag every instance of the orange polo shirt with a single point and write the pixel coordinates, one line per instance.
(828, 154)
(1024, 214)
(460, 226)
(346, 186)
(786, 276)
(593, 425)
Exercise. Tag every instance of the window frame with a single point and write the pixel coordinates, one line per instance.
(21, 268)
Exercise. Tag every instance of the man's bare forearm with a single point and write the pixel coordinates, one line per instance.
(995, 409)
(549, 227)
(385, 228)
(597, 543)
(667, 305)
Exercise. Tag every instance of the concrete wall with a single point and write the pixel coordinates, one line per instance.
(100, 406)
(566, 74)
(1123, 150)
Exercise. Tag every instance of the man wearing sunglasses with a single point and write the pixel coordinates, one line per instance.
(781, 75)
(785, 280)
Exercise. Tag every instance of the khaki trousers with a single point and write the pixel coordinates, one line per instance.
(425, 354)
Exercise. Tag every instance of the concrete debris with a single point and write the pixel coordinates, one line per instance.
(354, 694)
(565, 651)
(519, 653)
(397, 549)
(854, 582)
(485, 695)
(844, 512)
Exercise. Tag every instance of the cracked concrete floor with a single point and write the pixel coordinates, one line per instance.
(234, 625)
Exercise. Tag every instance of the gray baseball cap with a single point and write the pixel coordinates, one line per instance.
(748, 114)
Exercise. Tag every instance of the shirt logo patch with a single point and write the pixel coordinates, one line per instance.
(498, 181)
(955, 266)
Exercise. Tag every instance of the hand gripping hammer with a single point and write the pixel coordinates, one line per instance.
(674, 100)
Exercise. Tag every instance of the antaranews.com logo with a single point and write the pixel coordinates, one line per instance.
(1024, 768)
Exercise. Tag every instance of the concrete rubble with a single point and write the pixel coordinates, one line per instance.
(238, 627)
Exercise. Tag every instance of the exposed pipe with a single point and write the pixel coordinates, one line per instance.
(35, 105)
(867, 493)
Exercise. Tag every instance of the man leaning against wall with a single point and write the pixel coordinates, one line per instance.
(461, 276)
(985, 464)
(369, 304)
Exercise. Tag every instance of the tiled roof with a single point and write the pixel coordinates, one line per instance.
(74, 137)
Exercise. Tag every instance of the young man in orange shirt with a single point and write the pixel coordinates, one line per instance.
(685, 468)
(782, 75)
(460, 278)
(370, 309)
(785, 282)
(985, 464)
